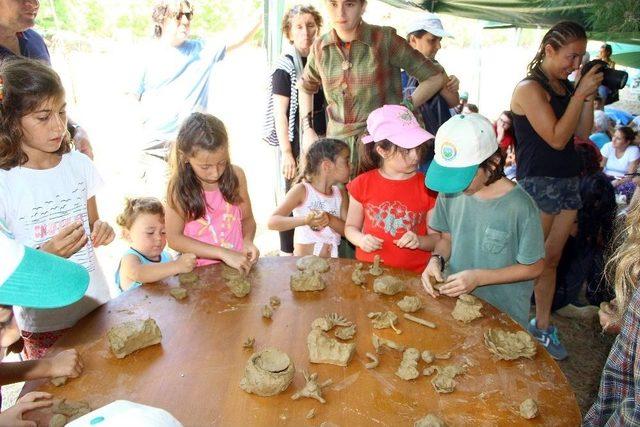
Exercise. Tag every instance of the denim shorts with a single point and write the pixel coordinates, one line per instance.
(551, 194)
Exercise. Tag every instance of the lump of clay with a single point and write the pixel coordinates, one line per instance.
(427, 356)
(249, 342)
(312, 388)
(374, 361)
(267, 311)
(430, 421)
(408, 369)
(268, 373)
(429, 370)
(58, 420)
(375, 269)
(236, 281)
(467, 309)
(529, 409)
(312, 263)
(444, 382)
(509, 345)
(358, 276)
(130, 336)
(346, 332)
(410, 304)
(274, 302)
(59, 381)
(388, 285)
(384, 320)
(178, 293)
(70, 409)
(188, 278)
(323, 349)
(302, 281)
(378, 342)
(327, 322)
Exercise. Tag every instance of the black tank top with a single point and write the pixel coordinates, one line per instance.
(534, 156)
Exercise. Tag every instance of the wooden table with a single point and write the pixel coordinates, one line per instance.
(195, 372)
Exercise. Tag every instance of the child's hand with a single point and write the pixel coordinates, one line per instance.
(65, 364)
(430, 274)
(460, 283)
(370, 243)
(409, 241)
(186, 263)
(237, 260)
(317, 220)
(67, 242)
(251, 252)
(12, 417)
(608, 318)
(102, 234)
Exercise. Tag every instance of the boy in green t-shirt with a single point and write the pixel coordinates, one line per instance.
(491, 236)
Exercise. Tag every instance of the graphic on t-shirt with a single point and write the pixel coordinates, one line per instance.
(218, 237)
(394, 217)
(321, 205)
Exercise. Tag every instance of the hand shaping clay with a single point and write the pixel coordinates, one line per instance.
(358, 276)
(274, 302)
(323, 349)
(430, 421)
(58, 420)
(346, 332)
(427, 356)
(249, 342)
(302, 281)
(268, 373)
(384, 320)
(408, 369)
(188, 278)
(410, 304)
(70, 409)
(509, 345)
(327, 322)
(178, 293)
(59, 381)
(236, 281)
(379, 342)
(375, 269)
(444, 382)
(312, 388)
(529, 409)
(267, 311)
(467, 309)
(374, 361)
(130, 336)
(312, 263)
(388, 285)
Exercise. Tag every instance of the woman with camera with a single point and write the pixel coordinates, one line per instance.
(547, 113)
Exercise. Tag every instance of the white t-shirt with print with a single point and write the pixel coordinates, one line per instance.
(618, 167)
(35, 205)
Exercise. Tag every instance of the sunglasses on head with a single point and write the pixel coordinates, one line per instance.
(187, 15)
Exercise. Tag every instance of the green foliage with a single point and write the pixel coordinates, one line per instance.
(606, 16)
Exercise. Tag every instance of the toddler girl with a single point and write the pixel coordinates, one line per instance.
(146, 260)
(47, 192)
(208, 207)
(389, 204)
(319, 206)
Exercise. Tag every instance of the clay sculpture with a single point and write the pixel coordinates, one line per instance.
(444, 382)
(379, 342)
(375, 269)
(130, 336)
(312, 263)
(323, 349)
(374, 361)
(429, 370)
(419, 321)
(274, 302)
(303, 281)
(507, 345)
(69, 409)
(528, 409)
(188, 278)
(346, 332)
(430, 421)
(178, 293)
(327, 322)
(358, 276)
(236, 281)
(268, 372)
(388, 285)
(410, 304)
(427, 356)
(384, 320)
(249, 342)
(267, 311)
(312, 388)
(408, 369)
(58, 420)
(467, 309)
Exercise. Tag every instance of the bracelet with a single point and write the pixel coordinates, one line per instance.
(439, 258)
(307, 121)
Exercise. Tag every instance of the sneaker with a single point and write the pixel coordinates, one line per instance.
(549, 340)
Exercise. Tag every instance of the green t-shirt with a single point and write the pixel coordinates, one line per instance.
(492, 234)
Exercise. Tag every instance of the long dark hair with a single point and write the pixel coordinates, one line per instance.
(198, 132)
(26, 84)
(559, 35)
(324, 148)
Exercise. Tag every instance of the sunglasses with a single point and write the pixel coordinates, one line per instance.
(187, 15)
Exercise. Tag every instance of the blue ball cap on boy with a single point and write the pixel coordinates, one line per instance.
(462, 143)
(36, 279)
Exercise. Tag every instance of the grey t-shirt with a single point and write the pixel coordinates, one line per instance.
(492, 234)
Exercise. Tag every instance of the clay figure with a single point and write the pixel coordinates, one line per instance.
(312, 263)
(427, 356)
(128, 337)
(529, 409)
(384, 320)
(443, 356)
(267, 311)
(274, 302)
(70, 409)
(249, 342)
(58, 420)
(188, 278)
(59, 381)
(346, 332)
(410, 304)
(378, 342)
(323, 349)
(429, 370)
(419, 321)
(311, 413)
(178, 293)
(430, 421)
(268, 372)
(509, 345)
(312, 388)
(408, 369)
(327, 322)
(375, 269)
(388, 285)
(302, 281)
(467, 308)
(358, 276)
(444, 382)
(374, 361)
(239, 287)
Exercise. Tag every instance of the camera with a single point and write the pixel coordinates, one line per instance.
(612, 79)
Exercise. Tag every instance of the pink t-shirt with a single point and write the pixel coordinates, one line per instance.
(220, 226)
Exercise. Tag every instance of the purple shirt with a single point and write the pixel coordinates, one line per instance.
(31, 46)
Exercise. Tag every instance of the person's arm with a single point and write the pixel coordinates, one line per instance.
(64, 364)
(280, 219)
(101, 232)
(243, 37)
(80, 138)
(450, 90)
(411, 240)
(280, 112)
(248, 220)
(309, 84)
(133, 270)
(12, 417)
(439, 256)
(631, 168)
(337, 223)
(353, 228)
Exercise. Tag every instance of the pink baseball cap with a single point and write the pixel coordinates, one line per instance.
(396, 124)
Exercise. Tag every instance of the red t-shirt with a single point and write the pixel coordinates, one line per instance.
(391, 208)
(507, 139)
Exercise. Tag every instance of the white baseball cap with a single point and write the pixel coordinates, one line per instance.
(429, 22)
(462, 143)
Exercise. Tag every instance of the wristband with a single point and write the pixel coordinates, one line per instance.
(441, 259)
